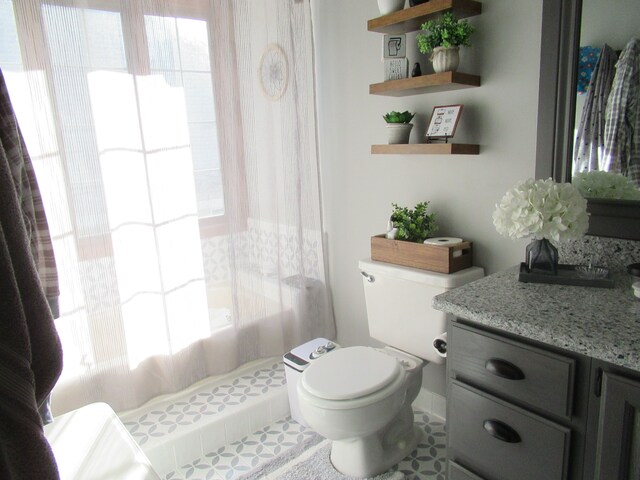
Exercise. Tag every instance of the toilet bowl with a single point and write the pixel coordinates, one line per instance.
(360, 398)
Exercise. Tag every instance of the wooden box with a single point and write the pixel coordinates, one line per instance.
(437, 258)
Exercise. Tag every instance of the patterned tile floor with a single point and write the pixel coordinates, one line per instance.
(231, 461)
(205, 403)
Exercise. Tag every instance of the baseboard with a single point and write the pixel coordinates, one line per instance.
(431, 403)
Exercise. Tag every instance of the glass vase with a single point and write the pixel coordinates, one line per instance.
(542, 257)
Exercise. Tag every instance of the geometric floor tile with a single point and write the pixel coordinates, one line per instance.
(427, 461)
(204, 404)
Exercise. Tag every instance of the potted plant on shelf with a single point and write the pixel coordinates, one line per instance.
(443, 38)
(390, 6)
(403, 244)
(399, 126)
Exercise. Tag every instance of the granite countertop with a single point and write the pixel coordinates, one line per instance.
(602, 323)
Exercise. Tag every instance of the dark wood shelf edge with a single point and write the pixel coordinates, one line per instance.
(425, 83)
(426, 149)
(410, 19)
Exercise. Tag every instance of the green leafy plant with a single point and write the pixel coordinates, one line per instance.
(398, 117)
(446, 31)
(413, 225)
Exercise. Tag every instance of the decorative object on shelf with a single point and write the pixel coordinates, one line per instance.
(399, 126)
(396, 68)
(417, 71)
(544, 210)
(273, 72)
(394, 46)
(407, 242)
(436, 258)
(442, 38)
(443, 123)
(390, 6)
(413, 3)
(600, 184)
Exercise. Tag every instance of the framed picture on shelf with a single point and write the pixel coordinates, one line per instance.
(394, 46)
(396, 68)
(444, 121)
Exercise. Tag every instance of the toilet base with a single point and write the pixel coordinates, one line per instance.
(372, 455)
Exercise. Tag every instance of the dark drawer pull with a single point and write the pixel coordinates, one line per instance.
(501, 431)
(504, 369)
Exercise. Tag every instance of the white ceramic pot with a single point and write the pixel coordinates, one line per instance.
(388, 6)
(445, 59)
(399, 132)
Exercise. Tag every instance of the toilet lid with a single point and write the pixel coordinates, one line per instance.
(349, 373)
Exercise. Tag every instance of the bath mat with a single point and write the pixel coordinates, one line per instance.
(312, 464)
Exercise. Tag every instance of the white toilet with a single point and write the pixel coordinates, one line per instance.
(360, 397)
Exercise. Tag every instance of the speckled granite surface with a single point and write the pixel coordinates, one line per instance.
(601, 323)
(613, 253)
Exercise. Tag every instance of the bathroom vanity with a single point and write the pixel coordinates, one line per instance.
(543, 380)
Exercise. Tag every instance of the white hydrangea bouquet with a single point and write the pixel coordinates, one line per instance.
(544, 210)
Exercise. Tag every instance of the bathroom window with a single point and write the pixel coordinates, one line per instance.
(122, 69)
(118, 113)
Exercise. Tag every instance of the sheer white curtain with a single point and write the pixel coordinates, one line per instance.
(174, 143)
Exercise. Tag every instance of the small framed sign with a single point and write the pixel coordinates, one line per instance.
(396, 68)
(444, 121)
(395, 46)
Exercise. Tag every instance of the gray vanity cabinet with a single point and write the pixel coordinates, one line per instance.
(523, 410)
(617, 450)
(513, 408)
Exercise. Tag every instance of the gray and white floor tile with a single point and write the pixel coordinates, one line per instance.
(427, 462)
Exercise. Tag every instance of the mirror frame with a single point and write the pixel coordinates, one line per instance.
(556, 117)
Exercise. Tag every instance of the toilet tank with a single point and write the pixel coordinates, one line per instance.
(399, 307)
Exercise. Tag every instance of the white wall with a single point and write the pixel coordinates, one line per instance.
(358, 188)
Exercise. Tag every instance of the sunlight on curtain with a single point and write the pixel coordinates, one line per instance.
(183, 203)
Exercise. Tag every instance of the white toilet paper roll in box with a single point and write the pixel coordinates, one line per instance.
(448, 241)
(445, 241)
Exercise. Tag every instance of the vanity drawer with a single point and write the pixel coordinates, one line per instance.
(501, 441)
(458, 472)
(512, 369)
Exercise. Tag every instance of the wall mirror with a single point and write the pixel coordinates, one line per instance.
(559, 104)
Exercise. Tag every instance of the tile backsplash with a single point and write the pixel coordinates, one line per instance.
(613, 253)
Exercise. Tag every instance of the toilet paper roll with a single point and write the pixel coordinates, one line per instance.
(448, 241)
(440, 345)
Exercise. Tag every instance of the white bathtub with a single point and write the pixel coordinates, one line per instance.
(92, 442)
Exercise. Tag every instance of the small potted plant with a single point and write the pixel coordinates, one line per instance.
(399, 126)
(443, 37)
(404, 243)
(413, 225)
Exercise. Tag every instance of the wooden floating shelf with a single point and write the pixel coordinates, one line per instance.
(427, 149)
(411, 19)
(435, 82)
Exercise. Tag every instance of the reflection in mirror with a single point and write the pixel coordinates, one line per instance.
(609, 180)
(606, 151)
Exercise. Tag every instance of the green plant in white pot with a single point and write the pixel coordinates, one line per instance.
(399, 126)
(443, 38)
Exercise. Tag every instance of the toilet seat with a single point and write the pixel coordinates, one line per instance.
(350, 373)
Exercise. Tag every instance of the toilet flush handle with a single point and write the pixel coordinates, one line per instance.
(370, 278)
